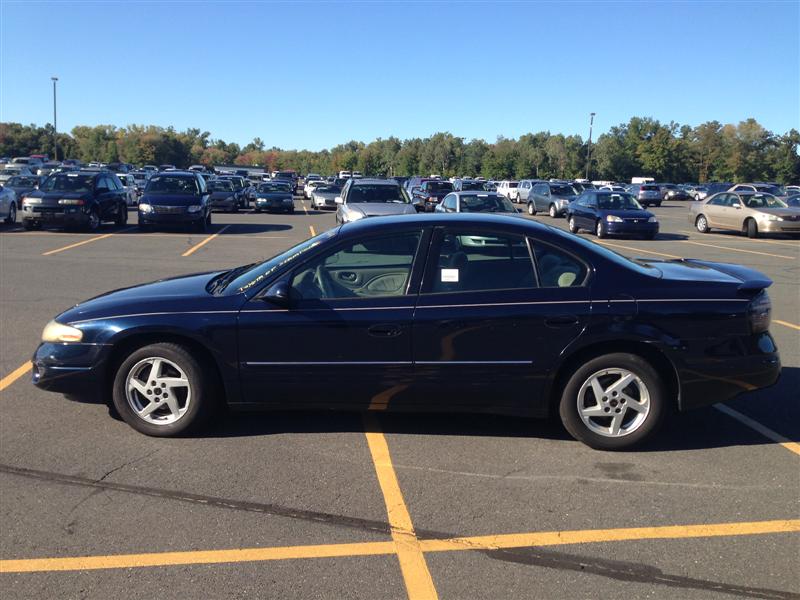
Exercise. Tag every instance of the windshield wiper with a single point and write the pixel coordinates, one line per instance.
(222, 280)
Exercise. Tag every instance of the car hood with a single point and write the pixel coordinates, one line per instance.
(169, 199)
(273, 195)
(165, 295)
(379, 209)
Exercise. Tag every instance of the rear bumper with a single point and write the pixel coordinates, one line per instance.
(262, 204)
(709, 381)
(223, 204)
(69, 368)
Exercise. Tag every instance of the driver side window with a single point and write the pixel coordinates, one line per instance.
(365, 268)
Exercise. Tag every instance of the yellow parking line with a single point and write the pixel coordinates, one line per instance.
(311, 229)
(762, 429)
(557, 538)
(303, 204)
(199, 557)
(483, 542)
(89, 241)
(739, 250)
(199, 245)
(14, 375)
(786, 324)
(637, 249)
(416, 575)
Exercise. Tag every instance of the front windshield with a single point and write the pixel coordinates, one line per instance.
(68, 182)
(263, 270)
(617, 202)
(220, 186)
(274, 187)
(487, 203)
(764, 201)
(375, 193)
(164, 184)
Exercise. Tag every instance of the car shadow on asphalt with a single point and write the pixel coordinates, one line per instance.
(776, 407)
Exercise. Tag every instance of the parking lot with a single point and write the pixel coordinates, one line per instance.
(381, 506)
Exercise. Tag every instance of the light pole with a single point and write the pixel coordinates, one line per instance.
(589, 145)
(55, 128)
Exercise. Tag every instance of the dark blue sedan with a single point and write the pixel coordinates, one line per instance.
(455, 312)
(611, 213)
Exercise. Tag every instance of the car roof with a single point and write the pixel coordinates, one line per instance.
(373, 181)
(481, 219)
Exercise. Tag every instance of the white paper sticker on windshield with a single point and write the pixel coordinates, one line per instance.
(450, 275)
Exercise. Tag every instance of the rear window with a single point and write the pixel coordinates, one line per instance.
(650, 188)
(440, 186)
(513, 184)
(562, 190)
(375, 193)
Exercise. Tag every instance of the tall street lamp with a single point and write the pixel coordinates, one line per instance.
(55, 128)
(589, 145)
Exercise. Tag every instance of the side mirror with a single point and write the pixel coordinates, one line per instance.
(278, 293)
(339, 200)
(415, 189)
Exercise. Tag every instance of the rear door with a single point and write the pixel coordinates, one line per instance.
(489, 324)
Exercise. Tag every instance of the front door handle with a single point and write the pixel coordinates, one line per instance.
(385, 330)
(561, 320)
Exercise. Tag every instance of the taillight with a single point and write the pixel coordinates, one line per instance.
(759, 312)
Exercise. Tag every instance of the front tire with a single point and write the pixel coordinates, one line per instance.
(751, 228)
(553, 211)
(531, 208)
(12, 214)
(93, 224)
(613, 402)
(161, 390)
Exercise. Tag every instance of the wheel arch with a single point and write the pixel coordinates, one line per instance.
(136, 340)
(654, 356)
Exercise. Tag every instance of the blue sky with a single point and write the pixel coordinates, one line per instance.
(311, 75)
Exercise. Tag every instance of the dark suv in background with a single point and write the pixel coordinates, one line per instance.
(82, 199)
(425, 197)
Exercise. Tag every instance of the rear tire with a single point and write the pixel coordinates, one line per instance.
(600, 230)
(12, 214)
(175, 408)
(29, 225)
(573, 228)
(122, 216)
(751, 228)
(636, 408)
(93, 224)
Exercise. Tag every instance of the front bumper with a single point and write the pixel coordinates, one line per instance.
(779, 226)
(61, 216)
(278, 204)
(186, 218)
(628, 228)
(70, 368)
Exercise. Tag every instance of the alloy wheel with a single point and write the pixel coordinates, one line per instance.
(613, 402)
(158, 390)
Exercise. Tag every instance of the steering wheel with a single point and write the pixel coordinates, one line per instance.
(323, 282)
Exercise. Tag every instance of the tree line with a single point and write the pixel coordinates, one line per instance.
(644, 146)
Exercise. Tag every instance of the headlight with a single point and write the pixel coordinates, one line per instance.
(145, 208)
(613, 219)
(193, 208)
(32, 201)
(72, 202)
(353, 215)
(652, 220)
(767, 217)
(57, 332)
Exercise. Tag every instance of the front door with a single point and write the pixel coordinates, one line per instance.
(495, 312)
(344, 340)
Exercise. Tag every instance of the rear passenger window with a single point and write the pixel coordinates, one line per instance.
(479, 261)
(556, 268)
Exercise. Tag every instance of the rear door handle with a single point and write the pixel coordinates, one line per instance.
(561, 320)
(385, 330)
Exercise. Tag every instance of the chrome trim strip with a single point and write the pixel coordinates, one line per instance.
(327, 363)
(268, 310)
(692, 300)
(473, 362)
(156, 314)
(505, 304)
